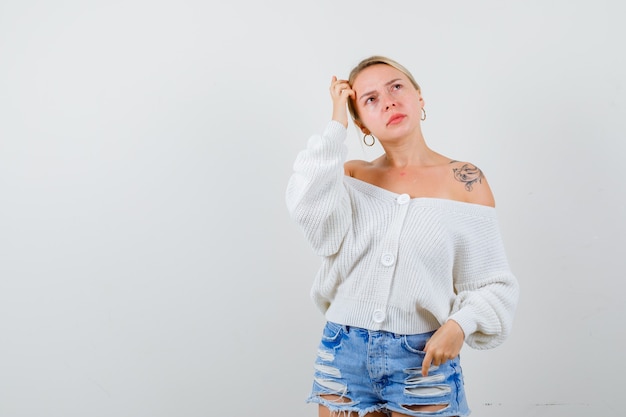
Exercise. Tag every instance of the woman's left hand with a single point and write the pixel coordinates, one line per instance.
(444, 344)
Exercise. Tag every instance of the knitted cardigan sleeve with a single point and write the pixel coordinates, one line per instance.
(487, 291)
(316, 196)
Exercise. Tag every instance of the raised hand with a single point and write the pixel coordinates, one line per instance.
(340, 91)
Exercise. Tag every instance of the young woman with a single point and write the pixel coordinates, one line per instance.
(413, 264)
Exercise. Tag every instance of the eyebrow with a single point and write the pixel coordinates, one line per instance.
(386, 84)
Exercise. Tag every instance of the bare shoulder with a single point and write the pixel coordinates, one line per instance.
(471, 184)
(351, 168)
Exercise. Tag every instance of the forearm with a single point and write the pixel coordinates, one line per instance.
(316, 197)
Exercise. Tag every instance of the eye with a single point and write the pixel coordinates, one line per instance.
(397, 86)
(370, 99)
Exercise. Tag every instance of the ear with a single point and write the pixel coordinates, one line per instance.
(421, 99)
(360, 125)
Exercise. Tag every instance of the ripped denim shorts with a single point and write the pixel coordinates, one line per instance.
(364, 371)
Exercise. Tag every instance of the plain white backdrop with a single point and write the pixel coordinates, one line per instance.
(148, 266)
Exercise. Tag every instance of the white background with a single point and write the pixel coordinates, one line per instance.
(148, 266)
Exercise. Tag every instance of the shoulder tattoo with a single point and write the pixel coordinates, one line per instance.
(468, 174)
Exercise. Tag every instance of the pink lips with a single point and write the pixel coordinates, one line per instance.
(396, 118)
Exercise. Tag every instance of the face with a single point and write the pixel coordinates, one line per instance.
(386, 101)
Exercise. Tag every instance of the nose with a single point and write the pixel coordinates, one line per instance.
(389, 102)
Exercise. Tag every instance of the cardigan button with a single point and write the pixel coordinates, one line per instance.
(378, 316)
(403, 199)
(387, 259)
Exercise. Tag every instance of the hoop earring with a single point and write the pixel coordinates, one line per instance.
(365, 141)
(423, 115)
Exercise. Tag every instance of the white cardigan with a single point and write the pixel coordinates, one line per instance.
(390, 262)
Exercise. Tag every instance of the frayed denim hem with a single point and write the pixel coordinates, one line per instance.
(445, 412)
(343, 409)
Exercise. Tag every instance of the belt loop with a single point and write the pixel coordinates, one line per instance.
(346, 328)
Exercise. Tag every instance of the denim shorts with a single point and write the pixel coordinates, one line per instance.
(371, 371)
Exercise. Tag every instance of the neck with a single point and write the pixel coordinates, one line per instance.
(410, 151)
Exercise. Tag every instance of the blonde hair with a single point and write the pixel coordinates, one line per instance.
(368, 62)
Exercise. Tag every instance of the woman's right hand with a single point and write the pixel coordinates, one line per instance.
(340, 91)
